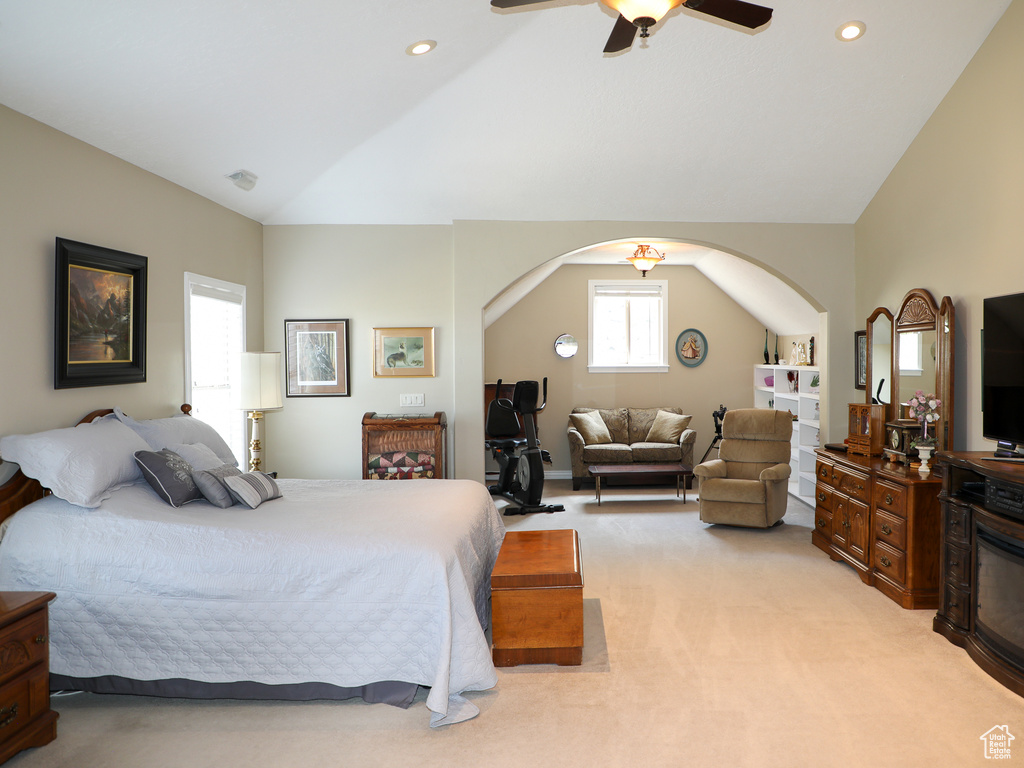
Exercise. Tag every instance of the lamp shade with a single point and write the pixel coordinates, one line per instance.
(636, 9)
(261, 381)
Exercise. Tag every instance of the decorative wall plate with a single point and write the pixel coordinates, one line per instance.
(691, 347)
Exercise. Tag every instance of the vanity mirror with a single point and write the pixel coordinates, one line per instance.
(923, 358)
(879, 385)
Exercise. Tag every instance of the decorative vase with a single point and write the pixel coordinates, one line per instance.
(925, 453)
(766, 346)
(776, 349)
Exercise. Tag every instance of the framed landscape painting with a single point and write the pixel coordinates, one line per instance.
(100, 318)
(403, 352)
(316, 354)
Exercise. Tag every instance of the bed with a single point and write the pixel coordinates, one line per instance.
(332, 589)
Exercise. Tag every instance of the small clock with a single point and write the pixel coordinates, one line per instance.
(898, 436)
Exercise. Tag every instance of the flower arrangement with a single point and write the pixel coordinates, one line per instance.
(925, 408)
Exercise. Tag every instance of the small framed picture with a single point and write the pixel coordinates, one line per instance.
(860, 359)
(403, 352)
(691, 347)
(317, 358)
(100, 335)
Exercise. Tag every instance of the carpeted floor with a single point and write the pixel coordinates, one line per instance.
(705, 646)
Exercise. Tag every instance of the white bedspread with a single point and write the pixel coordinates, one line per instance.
(343, 582)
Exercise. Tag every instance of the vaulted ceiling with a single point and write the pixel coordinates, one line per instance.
(517, 115)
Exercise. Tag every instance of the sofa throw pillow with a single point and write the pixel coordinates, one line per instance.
(211, 484)
(169, 475)
(592, 427)
(252, 488)
(667, 427)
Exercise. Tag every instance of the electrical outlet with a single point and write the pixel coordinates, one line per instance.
(410, 401)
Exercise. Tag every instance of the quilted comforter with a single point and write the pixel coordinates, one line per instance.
(343, 582)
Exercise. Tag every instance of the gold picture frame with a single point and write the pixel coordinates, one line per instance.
(403, 352)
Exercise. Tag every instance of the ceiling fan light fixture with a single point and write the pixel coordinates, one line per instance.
(631, 10)
(645, 258)
(850, 31)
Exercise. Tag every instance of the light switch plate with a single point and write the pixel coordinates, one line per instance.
(410, 401)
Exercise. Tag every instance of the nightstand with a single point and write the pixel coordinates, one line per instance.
(26, 719)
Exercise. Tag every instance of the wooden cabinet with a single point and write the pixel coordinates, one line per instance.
(867, 429)
(982, 562)
(883, 520)
(399, 446)
(26, 719)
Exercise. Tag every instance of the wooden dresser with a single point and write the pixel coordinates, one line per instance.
(25, 716)
(883, 520)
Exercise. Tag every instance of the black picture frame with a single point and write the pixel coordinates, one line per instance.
(98, 341)
(860, 359)
(316, 358)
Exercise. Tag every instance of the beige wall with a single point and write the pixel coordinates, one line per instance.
(519, 345)
(55, 186)
(948, 218)
(376, 277)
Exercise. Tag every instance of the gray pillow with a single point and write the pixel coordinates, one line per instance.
(253, 488)
(212, 486)
(169, 475)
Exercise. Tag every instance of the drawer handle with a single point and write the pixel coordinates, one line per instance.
(821, 496)
(888, 499)
(955, 563)
(885, 561)
(41, 639)
(886, 529)
(821, 523)
(8, 715)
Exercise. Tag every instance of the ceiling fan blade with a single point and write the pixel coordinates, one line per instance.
(738, 12)
(621, 37)
(514, 3)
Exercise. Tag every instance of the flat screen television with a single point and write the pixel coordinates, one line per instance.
(1002, 375)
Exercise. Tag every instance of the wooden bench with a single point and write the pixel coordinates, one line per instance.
(537, 599)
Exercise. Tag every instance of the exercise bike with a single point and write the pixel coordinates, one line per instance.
(520, 460)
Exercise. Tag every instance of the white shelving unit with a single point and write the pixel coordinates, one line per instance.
(795, 388)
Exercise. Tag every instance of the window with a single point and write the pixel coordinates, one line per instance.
(214, 342)
(628, 326)
(910, 354)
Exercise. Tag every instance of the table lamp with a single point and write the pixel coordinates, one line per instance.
(260, 391)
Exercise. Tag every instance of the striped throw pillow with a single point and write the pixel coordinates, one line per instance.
(252, 488)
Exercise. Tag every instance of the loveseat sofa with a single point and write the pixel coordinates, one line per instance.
(627, 436)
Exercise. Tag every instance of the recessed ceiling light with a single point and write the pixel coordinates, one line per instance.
(850, 31)
(423, 46)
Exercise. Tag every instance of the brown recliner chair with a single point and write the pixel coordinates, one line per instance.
(748, 484)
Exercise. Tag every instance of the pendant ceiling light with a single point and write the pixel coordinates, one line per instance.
(644, 259)
(649, 12)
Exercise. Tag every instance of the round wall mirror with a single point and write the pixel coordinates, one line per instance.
(565, 345)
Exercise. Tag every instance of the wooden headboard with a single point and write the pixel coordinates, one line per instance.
(21, 490)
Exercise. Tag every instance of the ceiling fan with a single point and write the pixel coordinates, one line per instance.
(644, 14)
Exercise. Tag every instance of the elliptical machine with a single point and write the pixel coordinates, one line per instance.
(520, 460)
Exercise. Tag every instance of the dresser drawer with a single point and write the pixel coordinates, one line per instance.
(853, 484)
(891, 529)
(954, 605)
(823, 521)
(891, 498)
(957, 564)
(823, 498)
(23, 644)
(824, 472)
(956, 523)
(891, 562)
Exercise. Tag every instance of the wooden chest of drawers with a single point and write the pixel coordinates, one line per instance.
(25, 716)
(883, 520)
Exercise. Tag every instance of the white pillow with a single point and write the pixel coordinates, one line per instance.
(179, 430)
(198, 455)
(83, 465)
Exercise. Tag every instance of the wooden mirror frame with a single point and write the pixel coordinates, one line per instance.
(891, 406)
(919, 312)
